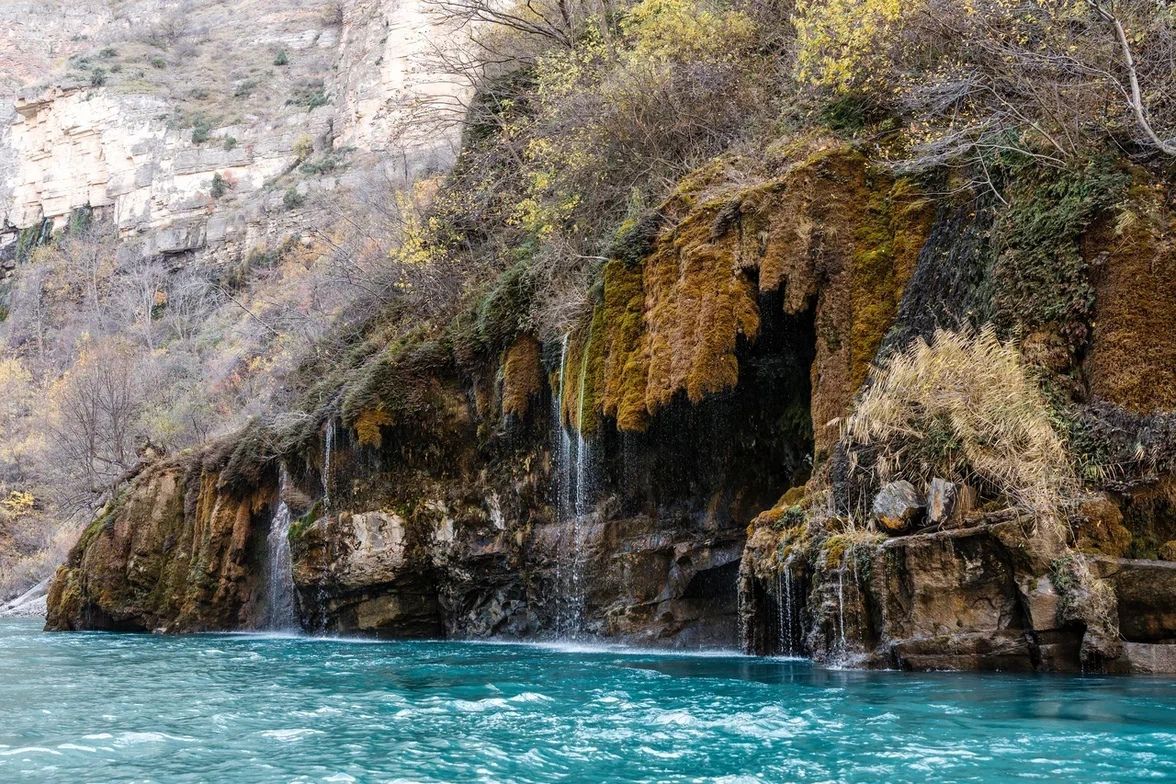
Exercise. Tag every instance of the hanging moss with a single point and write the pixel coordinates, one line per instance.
(522, 376)
(1132, 353)
(620, 365)
(894, 227)
(400, 382)
(368, 426)
(698, 306)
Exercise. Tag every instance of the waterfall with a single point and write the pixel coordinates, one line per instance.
(573, 492)
(583, 461)
(279, 569)
(328, 447)
(783, 643)
(789, 620)
(563, 452)
(841, 611)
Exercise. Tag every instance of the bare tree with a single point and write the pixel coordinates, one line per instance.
(93, 426)
(1133, 95)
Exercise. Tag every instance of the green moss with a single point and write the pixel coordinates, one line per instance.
(249, 457)
(856, 547)
(1040, 276)
(892, 230)
(635, 238)
(301, 525)
(400, 380)
(103, 521)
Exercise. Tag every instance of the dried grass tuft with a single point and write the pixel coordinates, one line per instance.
(964, 408)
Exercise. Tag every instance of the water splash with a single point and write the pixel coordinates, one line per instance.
(279, 568)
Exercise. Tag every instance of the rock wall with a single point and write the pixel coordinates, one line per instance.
(128, 146)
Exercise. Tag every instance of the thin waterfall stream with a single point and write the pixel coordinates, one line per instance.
(573, 493)
(279, 571)
(328, 448)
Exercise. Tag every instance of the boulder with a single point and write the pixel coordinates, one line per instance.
(898, 507)
(948, 502)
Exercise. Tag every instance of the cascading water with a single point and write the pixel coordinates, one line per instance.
(583, 457)
(279, 570)
(563, 445)
(574, 494)
(841, 612)
(328, 448)
(788, 621)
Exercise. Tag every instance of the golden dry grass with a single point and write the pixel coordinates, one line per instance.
(962, 407)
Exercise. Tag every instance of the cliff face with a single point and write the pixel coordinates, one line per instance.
(129, 111)
(682, 469)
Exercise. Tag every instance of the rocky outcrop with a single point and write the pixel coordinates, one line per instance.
(171, 553)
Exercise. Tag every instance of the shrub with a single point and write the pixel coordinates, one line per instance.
(157, 61)
(108, 53)
(303, 147)
(292, 199)
(219, 186)
(309, 94)
(200, 131)
(246, 88)
(281, 58)
(230, 142)
(962, 408)
(97, 77)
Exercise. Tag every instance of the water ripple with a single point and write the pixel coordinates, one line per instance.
(248, 708)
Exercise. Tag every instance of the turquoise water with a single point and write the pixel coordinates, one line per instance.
(245, 709)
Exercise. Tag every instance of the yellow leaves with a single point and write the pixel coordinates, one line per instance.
(367, 426)
(683, 31)
(19, 502)
(840, 40)
(303, 147)
(416, 239)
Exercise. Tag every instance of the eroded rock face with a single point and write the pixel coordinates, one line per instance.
(974, 598)
(128, 150)
(170, 553)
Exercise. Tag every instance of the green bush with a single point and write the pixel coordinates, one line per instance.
(219, 186)
(230, 142)
(309, 94)
(200, 131)
(158, 62)
(281, 58)
(292, 199)
(97, 77)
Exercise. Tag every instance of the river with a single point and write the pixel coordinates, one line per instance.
(245, 709)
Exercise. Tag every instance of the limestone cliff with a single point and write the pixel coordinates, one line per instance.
(131, 109)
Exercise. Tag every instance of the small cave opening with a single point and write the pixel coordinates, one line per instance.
(732, 455)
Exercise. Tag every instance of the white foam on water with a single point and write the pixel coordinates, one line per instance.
(290, 735)
(137, 738)
(29, 750)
